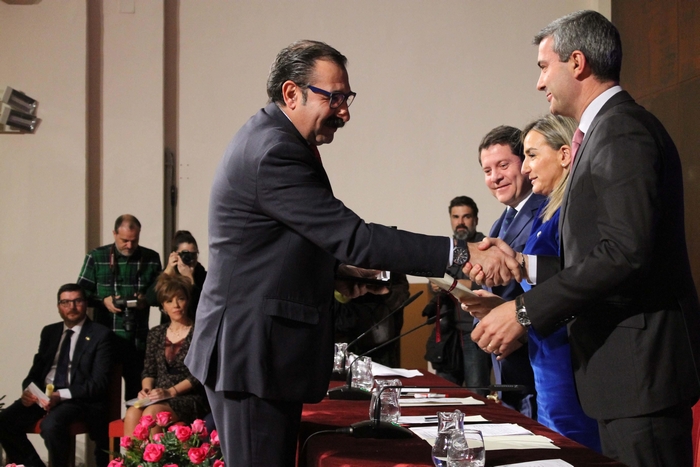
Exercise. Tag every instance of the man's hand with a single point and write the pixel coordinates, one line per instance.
(28, 399)
(54, 400)
(353, 289)
(492, 262)
(480, 305)
(499, 331)
(109, 304)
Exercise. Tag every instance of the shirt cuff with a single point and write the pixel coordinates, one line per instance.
(65, 394)
(452, 252)
(532, 269)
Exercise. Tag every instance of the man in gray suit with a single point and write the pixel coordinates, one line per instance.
(263, 341)
(623, 281)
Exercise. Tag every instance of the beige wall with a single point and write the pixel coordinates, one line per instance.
(431, 78)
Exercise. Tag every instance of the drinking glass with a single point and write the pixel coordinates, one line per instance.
(362, 373)
(467, 450)
(341, 349)
(450, 424)
(390, 409)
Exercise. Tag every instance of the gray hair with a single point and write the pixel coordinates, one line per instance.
(591, 33)
(296, 63)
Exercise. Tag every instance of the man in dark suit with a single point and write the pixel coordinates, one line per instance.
(74, 359)
(501, 157)
(263, 340)
(623, 283)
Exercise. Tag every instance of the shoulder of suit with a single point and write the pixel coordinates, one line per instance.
(95, 329)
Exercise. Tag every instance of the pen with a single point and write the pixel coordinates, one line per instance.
(431, 419)
(430, 395)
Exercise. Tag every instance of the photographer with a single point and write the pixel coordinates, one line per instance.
(116, 279)
(183, 261)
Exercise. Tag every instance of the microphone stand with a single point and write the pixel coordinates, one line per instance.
(348, 392)
(376, 428)
(342, 375)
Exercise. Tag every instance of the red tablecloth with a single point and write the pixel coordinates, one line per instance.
(340, 450)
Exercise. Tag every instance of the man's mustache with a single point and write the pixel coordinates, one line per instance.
(335, 122)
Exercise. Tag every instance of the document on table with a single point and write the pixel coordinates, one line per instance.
(429, 402)
(542, 463)
(433, 420)
(380, 370)
(493, 441)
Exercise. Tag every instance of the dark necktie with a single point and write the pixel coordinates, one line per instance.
(61, 378)
(510, 215)
(314, 149)
(575, 144)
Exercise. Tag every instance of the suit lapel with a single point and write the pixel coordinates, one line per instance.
(83, 342)
(493, 233)
(52, 349)
(522, 218)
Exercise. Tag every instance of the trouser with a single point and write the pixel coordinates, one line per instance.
(255, 431)
(659, 439)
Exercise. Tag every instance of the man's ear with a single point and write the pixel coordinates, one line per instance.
(579, 63)
(291, 94)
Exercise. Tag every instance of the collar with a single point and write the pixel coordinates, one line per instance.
(77, 328)
(595, 106)
(520, 205)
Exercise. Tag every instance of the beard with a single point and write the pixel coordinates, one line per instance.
(463, 233)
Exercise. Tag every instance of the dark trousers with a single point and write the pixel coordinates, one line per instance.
(477, 366)
(131, 359)
(661, 439)
(17, 419)
(255, 431)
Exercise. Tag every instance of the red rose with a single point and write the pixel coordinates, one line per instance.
(197, 455)
(183, 433)
(118, 462)
(198, 426)
(214, 438)
(125, 442)
(157, 437)
(164, 418)
(147, 421)
(218, 463)
(153, 452)
(141, 432)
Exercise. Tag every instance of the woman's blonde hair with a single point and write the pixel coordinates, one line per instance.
(557, 132)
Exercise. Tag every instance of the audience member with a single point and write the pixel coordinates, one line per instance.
(184, 261)
(72, 367)
(167, 383)
(547, 144)
(116, 278)
(263, 344)
(501, 157)
(634, 343)
(454, 355)
(352, 318)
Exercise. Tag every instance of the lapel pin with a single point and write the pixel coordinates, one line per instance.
(87, 338)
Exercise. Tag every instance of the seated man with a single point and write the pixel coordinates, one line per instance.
(75, 358)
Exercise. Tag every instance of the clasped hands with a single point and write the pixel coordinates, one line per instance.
(493, 263)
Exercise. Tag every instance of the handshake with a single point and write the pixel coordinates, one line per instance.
(492, 262)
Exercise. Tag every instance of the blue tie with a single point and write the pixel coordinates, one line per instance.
(61, 378)
(510, 215)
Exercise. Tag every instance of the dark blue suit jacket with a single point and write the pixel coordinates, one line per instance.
(516, 368)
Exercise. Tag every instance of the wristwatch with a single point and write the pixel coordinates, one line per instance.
(521, 312)
(460, 255)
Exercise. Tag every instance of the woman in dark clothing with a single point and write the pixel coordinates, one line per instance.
(167, 383)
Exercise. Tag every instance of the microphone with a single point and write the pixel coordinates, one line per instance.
(342, 374)
(378, 429)
(348, 392)
(408, 301)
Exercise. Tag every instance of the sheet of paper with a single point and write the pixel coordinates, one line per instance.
(491, 429)
(411, 391)
(542, 463)
(380, 370)
(493, 443)
(432, 420)
(440, 401)
(445, 283)
(139, 403)
(38, 393)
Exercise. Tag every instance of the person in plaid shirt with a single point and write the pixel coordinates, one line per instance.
(119, 272)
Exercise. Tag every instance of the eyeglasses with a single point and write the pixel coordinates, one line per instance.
(67, 303)
(335, 99)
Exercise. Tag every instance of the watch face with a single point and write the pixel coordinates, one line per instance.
(460, 255)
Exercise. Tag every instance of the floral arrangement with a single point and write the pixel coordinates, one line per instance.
(178, 446)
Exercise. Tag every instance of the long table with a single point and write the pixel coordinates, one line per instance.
(343, 450)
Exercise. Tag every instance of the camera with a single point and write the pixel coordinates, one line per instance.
(127, 305)
(188, 257)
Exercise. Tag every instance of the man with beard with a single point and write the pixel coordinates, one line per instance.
(116, 278)
(263, 339)
(453, 354)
